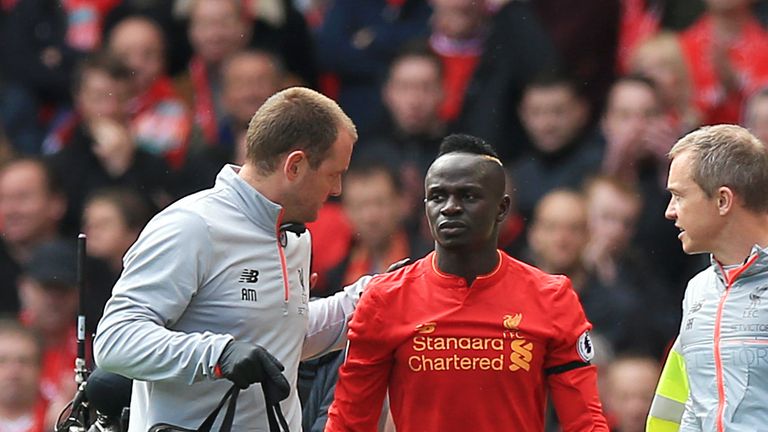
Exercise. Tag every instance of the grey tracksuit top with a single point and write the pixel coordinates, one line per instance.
(724, 341)
(212, 267)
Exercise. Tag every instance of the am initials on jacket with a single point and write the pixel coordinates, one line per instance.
(248, 276)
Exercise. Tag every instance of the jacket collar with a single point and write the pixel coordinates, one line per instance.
(255, 206)
(755, 263)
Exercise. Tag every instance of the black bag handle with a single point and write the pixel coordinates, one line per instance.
(275, 418)
(229, 417)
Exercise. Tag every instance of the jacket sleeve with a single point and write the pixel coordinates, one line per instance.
(571, 379)
(162, 272)
(364, 376)
(669, 402)
(328, 318)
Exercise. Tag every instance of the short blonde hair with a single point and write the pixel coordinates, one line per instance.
(728, 155)
(296, 118)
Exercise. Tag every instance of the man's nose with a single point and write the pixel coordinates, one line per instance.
(452, 206)
(336, 189)
(670, 213)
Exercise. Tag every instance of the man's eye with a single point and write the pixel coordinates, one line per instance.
(435, 198)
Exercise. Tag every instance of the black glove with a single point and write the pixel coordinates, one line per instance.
(245, 364)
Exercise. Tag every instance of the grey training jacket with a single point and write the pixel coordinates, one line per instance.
(212, 267)
(724, 341)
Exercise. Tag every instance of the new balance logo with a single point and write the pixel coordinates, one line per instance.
(249, 276)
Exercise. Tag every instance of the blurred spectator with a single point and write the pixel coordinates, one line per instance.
(48, 293)
(557, 237)
(660, 58)
(512, 232)
(518, 49)
(680, 14)
(32, 206)
(356, 42)
(613, 209)
(755, 117)
(6, 149)
(217, 29)
(43, 40)
(725, 52)
(587, 42)
(637, 139)
(280, 28)
(640, 19)
(249, 78)
(276, 26)
(160, 122)
(637, 134)
(630, 382)
(459, 29)
(168, 17)
(112, 221)
(555, 116)
(376, 209)
(22, 408)
(410, 134)
(102, 150)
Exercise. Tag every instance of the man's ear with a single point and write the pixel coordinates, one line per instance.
(504, 206)
(725, 200)
(294, 164)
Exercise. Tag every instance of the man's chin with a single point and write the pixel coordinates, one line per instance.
(692, 249)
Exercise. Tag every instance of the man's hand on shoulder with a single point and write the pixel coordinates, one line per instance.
(399, 264)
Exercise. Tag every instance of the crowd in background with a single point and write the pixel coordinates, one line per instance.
(112, 109)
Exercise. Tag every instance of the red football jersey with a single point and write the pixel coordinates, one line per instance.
(457, 357)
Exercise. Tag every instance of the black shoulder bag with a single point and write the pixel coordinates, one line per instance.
(275, 417)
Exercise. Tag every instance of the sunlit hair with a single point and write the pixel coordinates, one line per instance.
(295, 119)
(728, 155)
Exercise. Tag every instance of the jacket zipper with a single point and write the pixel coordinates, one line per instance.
(730, 279)
(281, 252)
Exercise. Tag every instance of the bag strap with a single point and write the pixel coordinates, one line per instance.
(275, 418)
(229, 416)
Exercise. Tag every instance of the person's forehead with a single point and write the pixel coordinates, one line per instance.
(202, 9)
(340, 152)
(136, 30)
(27, 173)
(631, 93)
(460, 165)
(405, 68)
(562, 207)
(681, 166)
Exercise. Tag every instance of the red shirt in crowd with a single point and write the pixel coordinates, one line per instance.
(748, 56)
(160, 122)
(458, 358)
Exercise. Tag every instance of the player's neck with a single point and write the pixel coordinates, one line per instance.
(267, 185)
(466, 264)
(740, 236)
